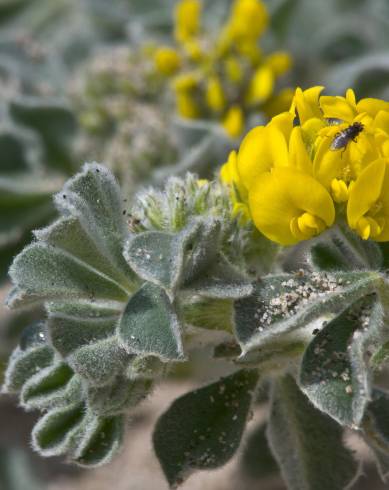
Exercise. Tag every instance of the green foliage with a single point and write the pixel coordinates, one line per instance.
(149, 325)
(306, 443)
(202, 429)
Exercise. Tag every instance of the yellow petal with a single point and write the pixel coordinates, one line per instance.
(372, 106)
(279, 62)
(338, 108)
(298, 155)
(253, 156)
(327, 164)
(187, 106)
(280, 196)
(365, 191)
(306, 103)
(229, 171)
(350, 97)
(215, 94)
(187, 19)
(233, 122)
(339, 190)
(167, 61)
(284, 123)
(261, 86)
(381, 121)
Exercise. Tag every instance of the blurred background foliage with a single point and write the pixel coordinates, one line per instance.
(73, 88)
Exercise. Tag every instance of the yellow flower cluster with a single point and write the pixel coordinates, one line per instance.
(225, 77)
(326, 157)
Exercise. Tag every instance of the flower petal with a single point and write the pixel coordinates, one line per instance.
(372, 106)
(338, 108)
(262, 149)
(298, 154)
(283, 194)
(365, 191)
(306, 103)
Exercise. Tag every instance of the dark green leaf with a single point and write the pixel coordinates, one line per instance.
(287, 302)
(150, 326)
(203, 429)
(306, 443)
(334, 373)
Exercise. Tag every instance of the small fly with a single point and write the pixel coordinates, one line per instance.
(343, 138)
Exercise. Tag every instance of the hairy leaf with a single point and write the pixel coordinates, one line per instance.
(22, 365)
(50, 387)
(118, 396)
(203, 429)
(306, 443)
(334, 374)
(283, 303)
(100, 361)
(56, 431)
(150, 326)
(221, 280)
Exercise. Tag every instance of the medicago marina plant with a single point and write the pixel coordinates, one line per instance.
(284, 258)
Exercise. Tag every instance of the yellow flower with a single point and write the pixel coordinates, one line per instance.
(167, 60)
(233, 121)
(368, 204)
(233, 69)
(279, 62)
(229, 175)
(261, 86)
(248, 19)
(288, 206)
(187, 20)
(223, 76)
(305, 104)
(215, 95)
(186, 105)
(326, 154)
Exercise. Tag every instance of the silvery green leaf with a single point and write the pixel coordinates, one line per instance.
(101, 439)
(168, 259)
(203, 429)
(53, 386)
(93, 197)
(43, 272)
(334, 373)
(256, 460)
(119, 396)
(376, 430)
(24, 364)
(221, 280)
(56, 432)
(149, 325)
(78, 326)
(68, 234)
(342, 249)
(78, 257)
(201, 242)
(307, 444)
(156, 257)
(284, 303)
(99, 362)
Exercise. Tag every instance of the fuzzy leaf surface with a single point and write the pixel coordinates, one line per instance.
(283, 303)
(306, 443)
(334, 374)
(149, 325)
(203, 429)
(222, 281)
